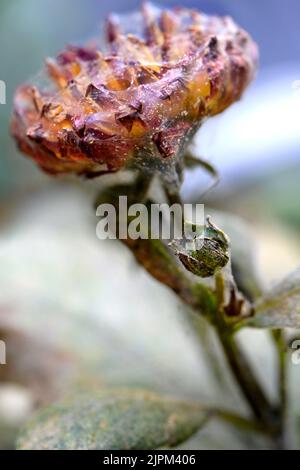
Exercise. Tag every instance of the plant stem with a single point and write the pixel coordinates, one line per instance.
(172, 197)
(238, 421)
(279, 340)
(142, 185)
(156, 258)
(245, 377)
(263, 410)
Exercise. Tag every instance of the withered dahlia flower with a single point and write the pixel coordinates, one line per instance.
(137, 100)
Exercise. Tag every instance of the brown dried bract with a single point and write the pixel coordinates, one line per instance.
(140, 100)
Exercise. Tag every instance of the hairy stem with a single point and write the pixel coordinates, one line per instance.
(238, 421)
(279, 341)
(265, 413)
(141, 187)
(245, 377)
(162, 265)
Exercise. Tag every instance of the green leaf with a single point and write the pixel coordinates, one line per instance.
(280, 307)
(113, 419)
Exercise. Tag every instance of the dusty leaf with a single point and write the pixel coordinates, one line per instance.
(280, 307)
(111, 420)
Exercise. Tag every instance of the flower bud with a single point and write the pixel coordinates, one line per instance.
(204, 254)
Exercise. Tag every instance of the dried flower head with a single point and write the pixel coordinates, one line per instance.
(138, 100)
